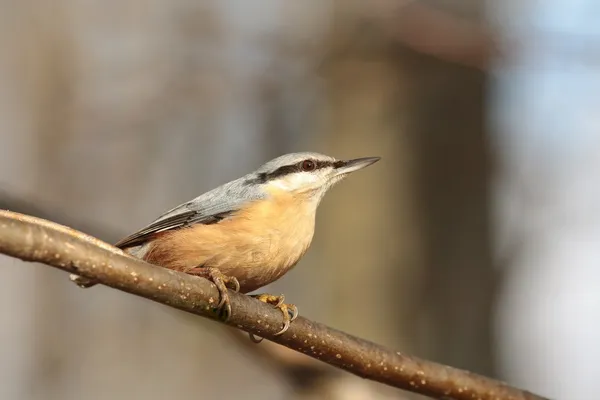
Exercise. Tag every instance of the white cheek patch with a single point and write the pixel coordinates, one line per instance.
(295, 181)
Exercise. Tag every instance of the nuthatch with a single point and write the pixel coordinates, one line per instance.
(249, 232)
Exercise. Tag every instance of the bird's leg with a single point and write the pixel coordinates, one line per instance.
(290, 311)
(221, 281)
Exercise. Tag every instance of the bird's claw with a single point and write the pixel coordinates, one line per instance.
(289, 311)
(236, 283)
(221, 281)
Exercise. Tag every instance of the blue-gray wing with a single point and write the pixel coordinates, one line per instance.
(209, 208)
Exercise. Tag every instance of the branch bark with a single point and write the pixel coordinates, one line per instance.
(37, 240)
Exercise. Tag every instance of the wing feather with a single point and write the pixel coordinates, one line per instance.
(209, 208)
(172, 222)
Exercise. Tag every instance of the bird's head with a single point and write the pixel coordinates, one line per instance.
(310, 174)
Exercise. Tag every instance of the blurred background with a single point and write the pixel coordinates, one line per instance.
(474, 242)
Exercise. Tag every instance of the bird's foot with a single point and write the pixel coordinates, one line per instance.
(290, 311)
(221, 281)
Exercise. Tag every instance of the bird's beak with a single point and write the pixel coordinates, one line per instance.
(348, 166)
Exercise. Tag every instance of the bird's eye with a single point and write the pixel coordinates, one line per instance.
(308, 165)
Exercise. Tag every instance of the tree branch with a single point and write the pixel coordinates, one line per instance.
(37, 240)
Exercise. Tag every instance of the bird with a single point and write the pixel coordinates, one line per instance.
(247, 233)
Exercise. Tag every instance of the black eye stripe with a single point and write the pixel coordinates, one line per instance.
(324, 164)
(281, 171)
(290, 169)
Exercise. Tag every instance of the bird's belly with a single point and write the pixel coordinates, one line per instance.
(255, 260)
(259, 264)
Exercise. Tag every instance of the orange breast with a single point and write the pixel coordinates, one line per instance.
(257, 245)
